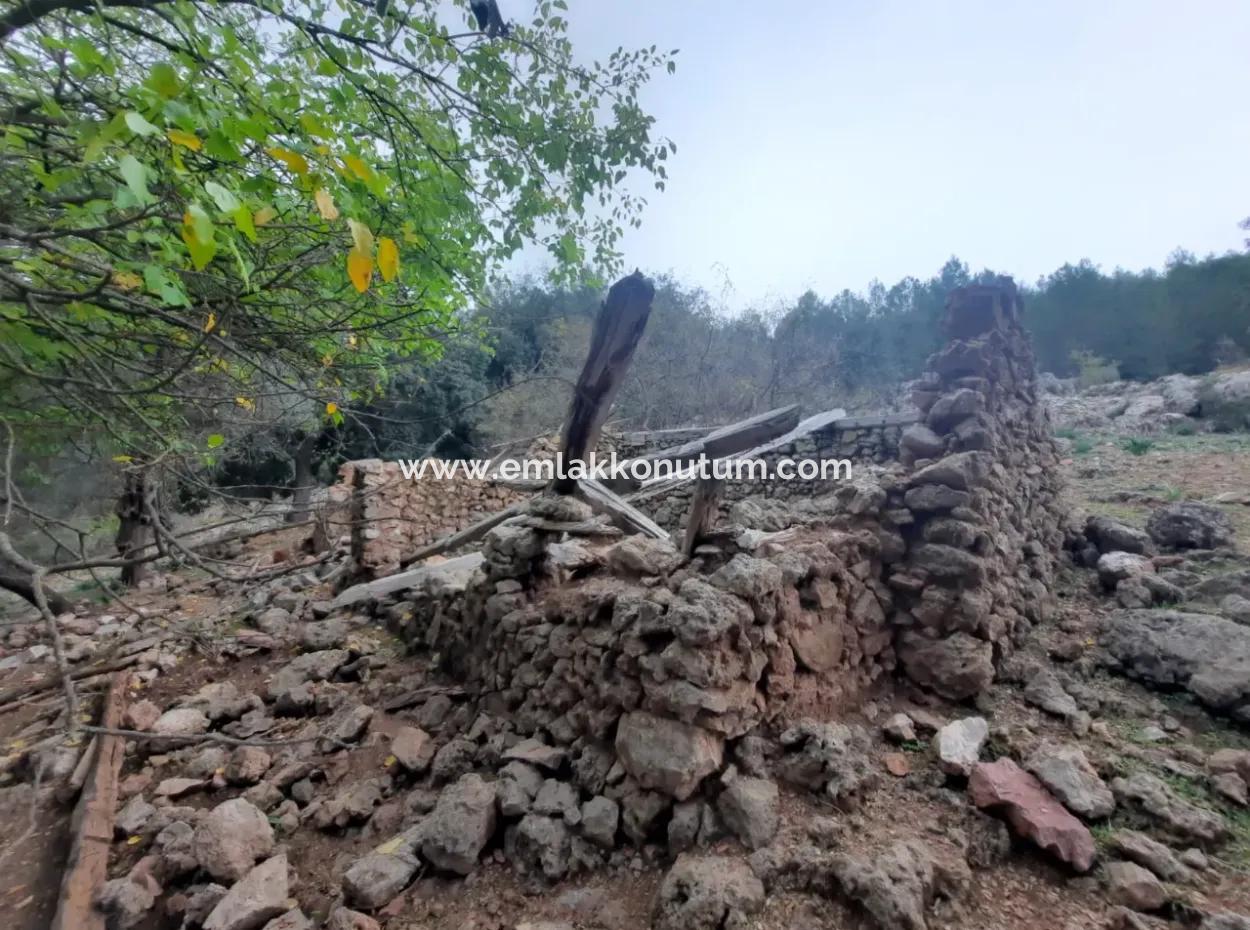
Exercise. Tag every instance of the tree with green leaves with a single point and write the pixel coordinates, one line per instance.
(217, 208)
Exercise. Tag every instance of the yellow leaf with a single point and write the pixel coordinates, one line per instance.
(356, 165)
(246, 403)
(123, 459)
(362, 237)
(331, 409)
(211, 323)
(388, 258)
(351, 340)
(360, 270)
(188, 140)
(263, 216)
(327, 360)
(325, 205)
(293, 160)
(389, 761)
(391, 846)
(127, 280)
(134, 841)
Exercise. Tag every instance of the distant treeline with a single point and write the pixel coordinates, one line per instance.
(701, 364)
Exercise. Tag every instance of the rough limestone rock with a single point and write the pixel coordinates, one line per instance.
(1110, 535)
(830, 757)
(959, 745)
(1154, 798)
(1129, 885)
(957, 667)
(1114, 567)
(600, 818)
(1206, 655)
(708, 893)
(413, 749)
(461, 824)
(231, 838)
(259, 897)
(539, 845)
(125, 901)
(1046, 691)
(667, 755)
(1006, 789)
(181, 721)
(374, 880)
(1142, 849)
(899, 885)
(1190, 525)
(749, 808)
(1063, 768)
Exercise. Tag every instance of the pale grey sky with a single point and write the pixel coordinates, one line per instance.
(826, 143)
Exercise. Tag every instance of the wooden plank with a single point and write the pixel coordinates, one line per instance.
(877, 420)
(92, 824)
(471, 533)
(618, 329)
(703, 512)
(456, 571)
(623, 514)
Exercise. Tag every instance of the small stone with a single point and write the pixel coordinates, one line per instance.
(749, 808)
(374, 880)
(142, 715)
(231, 838)
(900, 729)
(1064, 769)
(181, 721)
(896, 764)
(667, 755)
(247, 765)
(413, 749)
(600, 818)
(260, 896)
(959, 745)
(534, 752)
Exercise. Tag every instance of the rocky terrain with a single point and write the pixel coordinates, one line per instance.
(1003, 682)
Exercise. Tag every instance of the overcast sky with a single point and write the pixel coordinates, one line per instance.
(826, 143)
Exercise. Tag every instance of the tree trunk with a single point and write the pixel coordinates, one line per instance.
(304, 481)
(135, 532)
(20, 583)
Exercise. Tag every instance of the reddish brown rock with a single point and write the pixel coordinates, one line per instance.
(1006, 789)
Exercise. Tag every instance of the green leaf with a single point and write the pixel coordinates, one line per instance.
(243, 222)
(215, 441)
(136, 177)
(225, 200)
(164, 80)
(140, 126)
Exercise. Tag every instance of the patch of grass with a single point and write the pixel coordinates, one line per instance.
(1137, 445)
(1066, 432)
(914, 745)
(1082, 446)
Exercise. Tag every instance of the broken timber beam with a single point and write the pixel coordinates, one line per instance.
(704, 508)
(471, 533)
(92, 823)
(618, 329)
(621, 512)
(719, 443)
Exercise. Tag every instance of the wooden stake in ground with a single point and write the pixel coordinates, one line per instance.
(92, 826)
(704, 508)
(618, 329)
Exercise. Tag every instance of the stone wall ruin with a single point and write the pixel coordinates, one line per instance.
(657, 669)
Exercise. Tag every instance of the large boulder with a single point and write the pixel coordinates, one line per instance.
(1226, 401)
(1190, 525)
(1206, 655)
(667, 755)
(749, 807)
(1114, 567)
(1153, 798)
(708, 893)
(1004, 788)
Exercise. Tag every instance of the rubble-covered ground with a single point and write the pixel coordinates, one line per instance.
(1101, 782)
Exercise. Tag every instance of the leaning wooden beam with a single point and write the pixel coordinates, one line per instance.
(454, 571)
(92, 824)
(618, 329)
(721, 442)
(703, 511)
(623, 514)
(471, 533)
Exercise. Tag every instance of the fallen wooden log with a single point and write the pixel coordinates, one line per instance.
(92, 824)
(622, 513)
